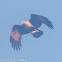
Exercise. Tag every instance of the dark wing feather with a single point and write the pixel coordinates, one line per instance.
(15, 44)
(46, 21)
(35, 20)
(21, 30)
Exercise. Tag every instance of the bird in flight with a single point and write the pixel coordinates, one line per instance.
(30, 26)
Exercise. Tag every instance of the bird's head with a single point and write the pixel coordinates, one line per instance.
(23, 22)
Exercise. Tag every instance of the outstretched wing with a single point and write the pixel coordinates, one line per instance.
(15, 44)
(15, 37)
(35, 20)
(46, 21)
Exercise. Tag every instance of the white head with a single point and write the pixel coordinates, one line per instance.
(27, 25)
(23, 22)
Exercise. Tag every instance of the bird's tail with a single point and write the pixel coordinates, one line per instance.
(47, 22)
(37, 33)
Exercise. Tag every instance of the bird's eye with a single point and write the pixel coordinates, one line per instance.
(23, 22)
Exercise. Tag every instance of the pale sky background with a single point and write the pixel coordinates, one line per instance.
(47, 48)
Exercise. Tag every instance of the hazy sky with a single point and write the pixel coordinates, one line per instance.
(47, 48)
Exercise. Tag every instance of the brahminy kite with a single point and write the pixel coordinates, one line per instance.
(30, 26)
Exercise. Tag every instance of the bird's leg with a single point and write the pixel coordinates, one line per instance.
(34, 31)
